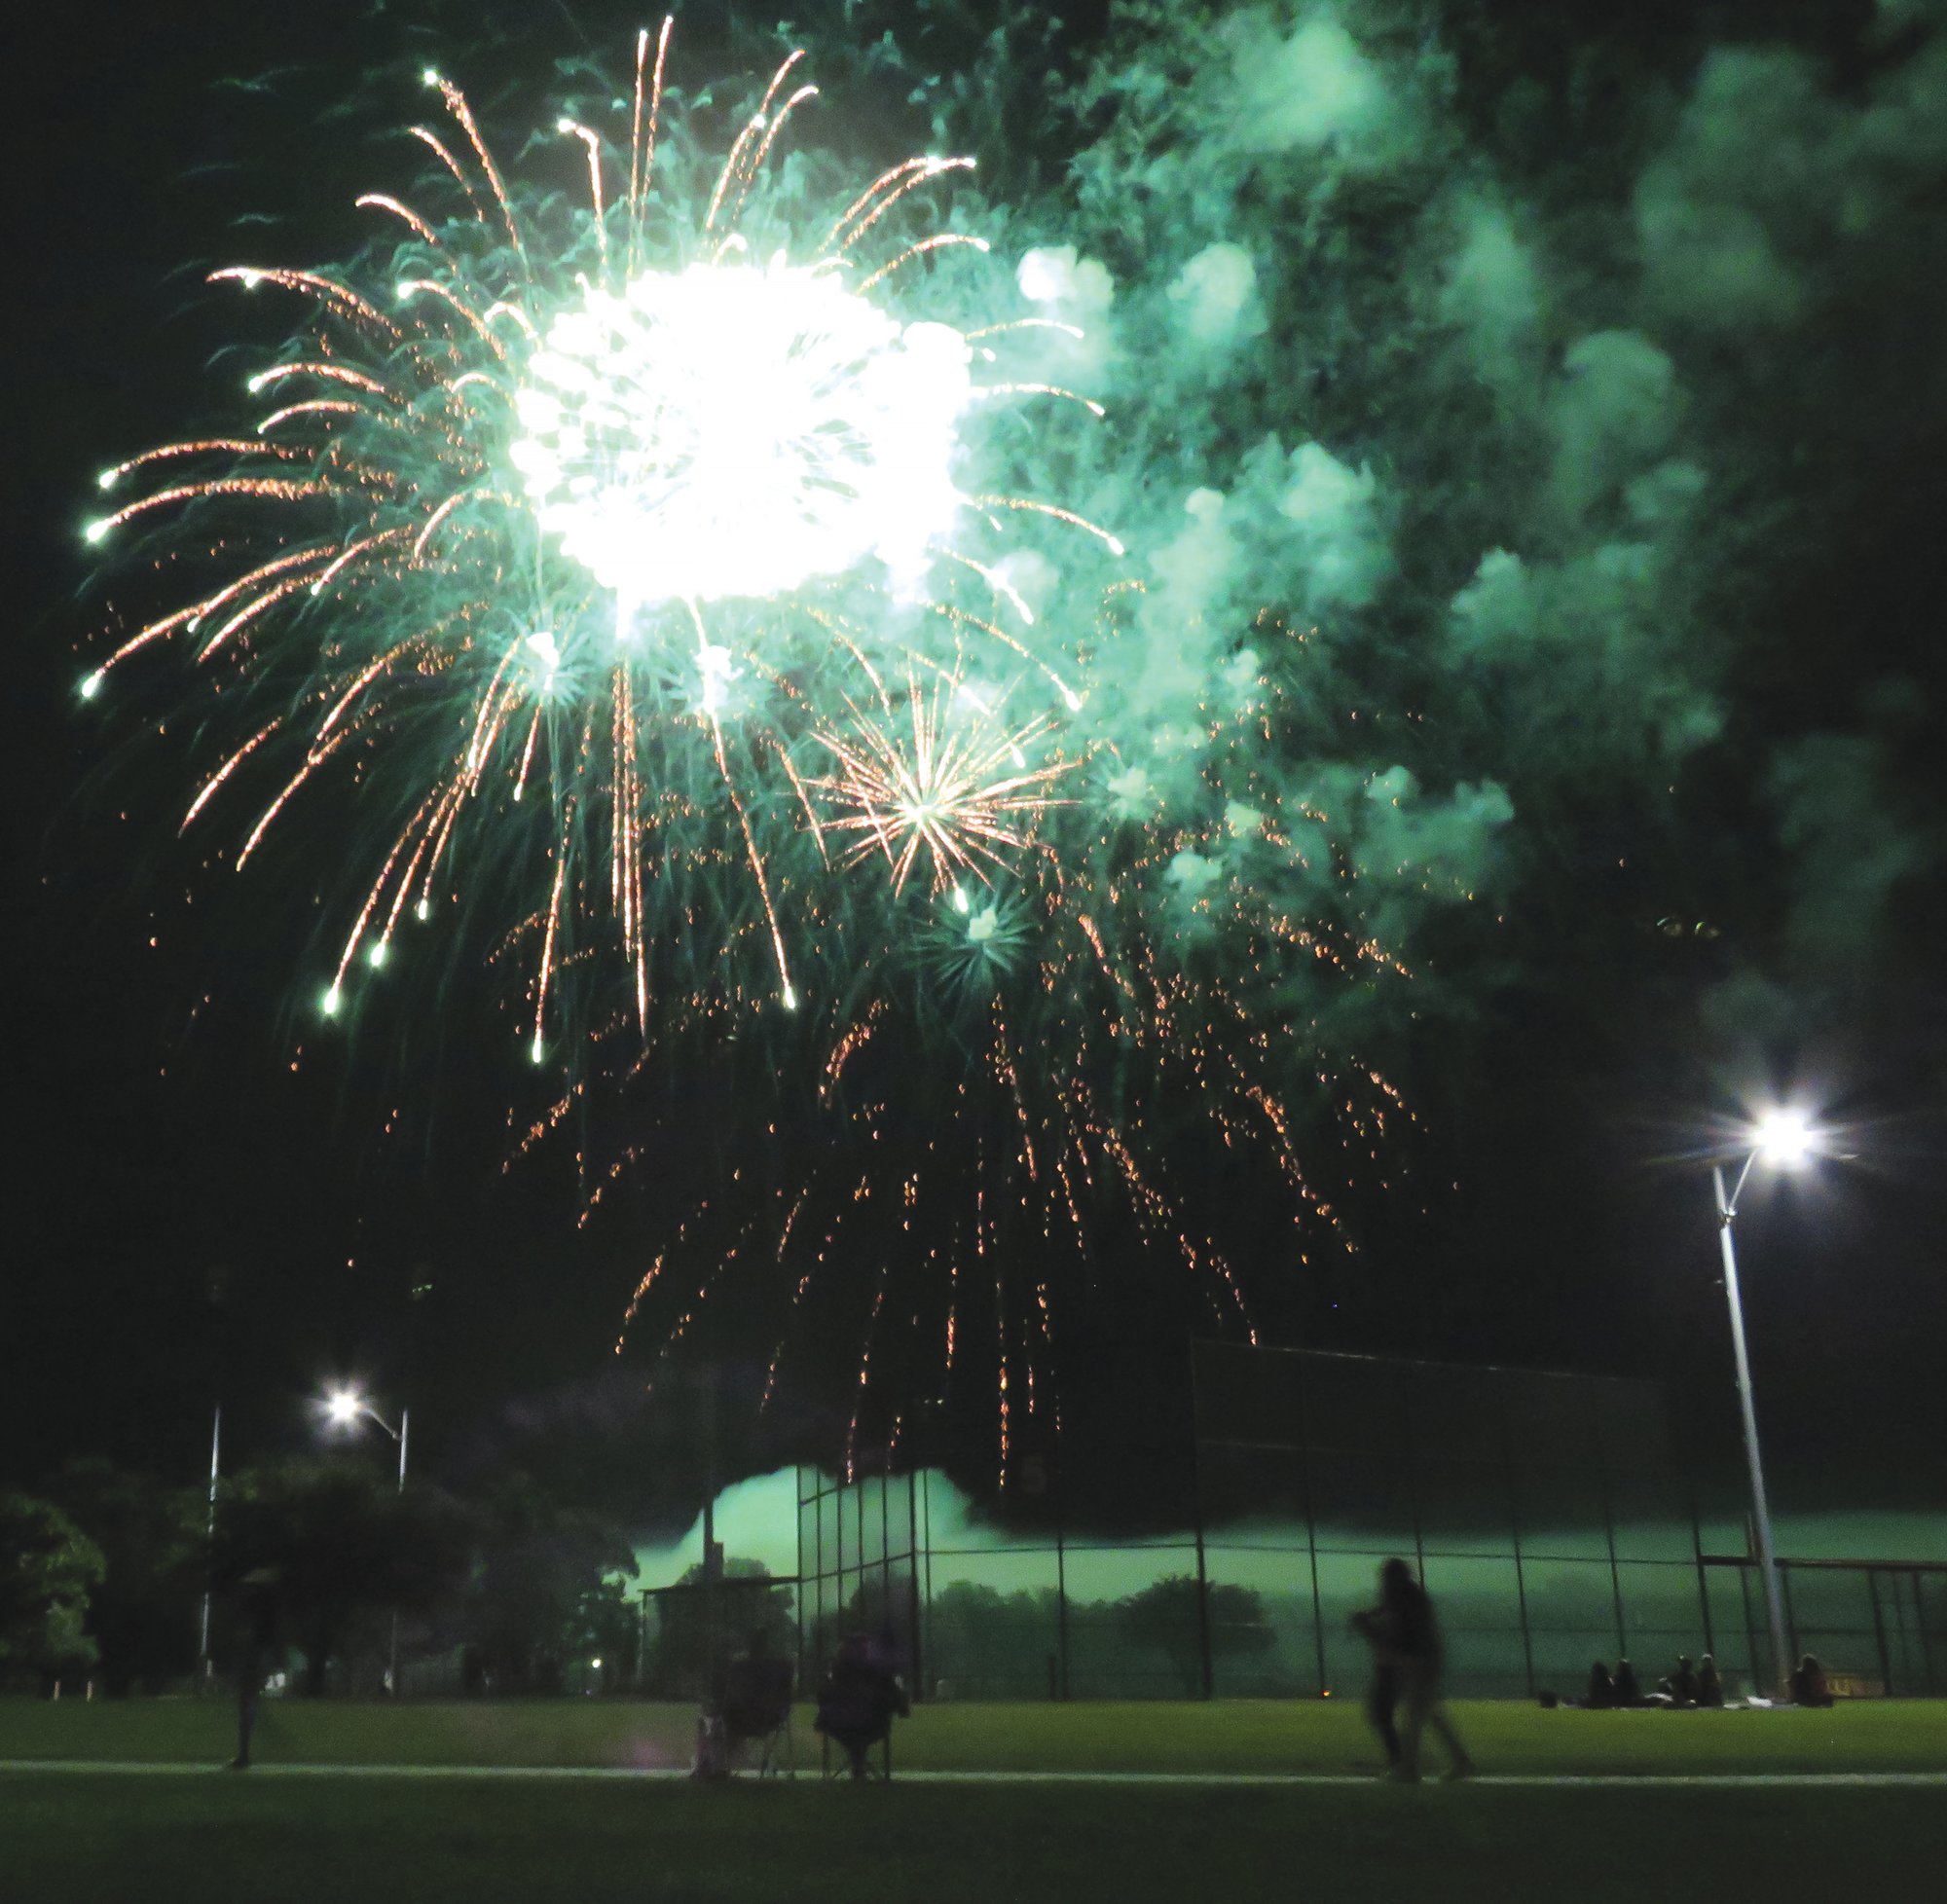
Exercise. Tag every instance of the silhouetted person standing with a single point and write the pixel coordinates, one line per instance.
(258, 1630)
(1408, 1665)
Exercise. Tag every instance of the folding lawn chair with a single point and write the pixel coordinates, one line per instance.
(758, 1711)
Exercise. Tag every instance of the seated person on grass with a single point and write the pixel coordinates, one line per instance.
(858, 1701)
(1710, 1687)
(1682, 1685)
(1601, 1689)
(1627, 1692)
(1808, 1683)
(757, 1693)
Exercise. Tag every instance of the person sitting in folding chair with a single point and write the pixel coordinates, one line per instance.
(756, 1703)
(858, 1701)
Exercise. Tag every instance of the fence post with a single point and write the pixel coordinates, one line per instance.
(1060, 1586)
(1879, 1633)
(1197, 1512)
(1514, 1499)
(1609, 1535)
(913, 1589)
(1920, 1627)
(1702, 1580)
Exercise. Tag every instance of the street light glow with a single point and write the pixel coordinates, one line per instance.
(1785, 1138)
(344, 1405)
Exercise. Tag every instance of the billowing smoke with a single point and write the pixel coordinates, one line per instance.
(1526, 430)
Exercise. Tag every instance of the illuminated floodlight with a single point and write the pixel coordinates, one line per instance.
(344, 1405)
(1785, 1138)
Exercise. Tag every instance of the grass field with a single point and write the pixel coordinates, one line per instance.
(1224, 1735)
(205, 1836)
(212, 1838)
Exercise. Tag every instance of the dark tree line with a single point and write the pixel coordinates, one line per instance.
(107, 1579)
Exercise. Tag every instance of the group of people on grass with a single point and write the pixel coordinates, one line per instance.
(1691, 1686)
(1686, 1686)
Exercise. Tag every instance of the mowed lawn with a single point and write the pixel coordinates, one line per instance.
(1242, 1735)
(209, 1837)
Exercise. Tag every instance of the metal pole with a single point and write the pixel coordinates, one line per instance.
(708, 1689)
(1760, 1509)
(215, 1453)
(1203, 1647)
(392, 1666)
(1879, 1633)
(1060, 1589)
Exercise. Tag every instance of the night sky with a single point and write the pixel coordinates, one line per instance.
(197, 1217)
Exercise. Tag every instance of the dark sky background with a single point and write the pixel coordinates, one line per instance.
(193, 1220)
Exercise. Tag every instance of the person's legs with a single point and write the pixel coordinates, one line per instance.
(1381, 1696)
(249, 1678)
(857, 1743)
(1419, 1693)
(1423, 1708)
(1458, 1764)
(1416, 1704)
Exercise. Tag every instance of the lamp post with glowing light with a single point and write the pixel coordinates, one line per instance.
(1784, 1139)
(343, 1406)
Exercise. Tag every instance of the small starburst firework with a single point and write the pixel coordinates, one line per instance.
(947, 781)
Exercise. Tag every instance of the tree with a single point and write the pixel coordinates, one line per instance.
(549, 1586)
(47, 1568)
(1164, 1617)
(338, 1545)
(981, 1639)
(143, 1615)
(744, 1610)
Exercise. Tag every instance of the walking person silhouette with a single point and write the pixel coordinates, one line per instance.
(1408, 1665)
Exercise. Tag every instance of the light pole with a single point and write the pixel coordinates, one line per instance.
(344, 1405)
(209, 1539)
(1786, 1139)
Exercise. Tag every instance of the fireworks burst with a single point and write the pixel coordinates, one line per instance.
(662, 566)
(951, 783)
(606, 516)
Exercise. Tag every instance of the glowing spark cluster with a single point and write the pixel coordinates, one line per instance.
(736, 429)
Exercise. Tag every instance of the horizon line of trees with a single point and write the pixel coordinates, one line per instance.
(105, 1578)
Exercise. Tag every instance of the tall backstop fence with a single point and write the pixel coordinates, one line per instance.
(1548, 1514)
(1545, 1512)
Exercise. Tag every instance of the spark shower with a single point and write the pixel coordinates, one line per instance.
(654, 598)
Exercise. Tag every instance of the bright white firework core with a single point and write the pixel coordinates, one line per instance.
(735, 429)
